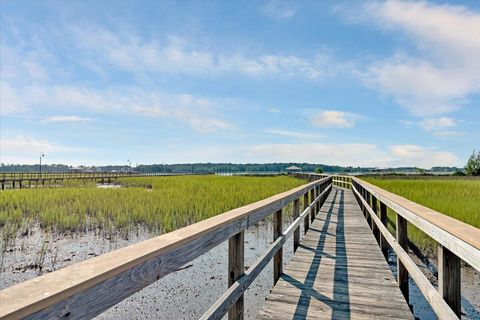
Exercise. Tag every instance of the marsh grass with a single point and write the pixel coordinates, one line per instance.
(161, 204)
(456, 197)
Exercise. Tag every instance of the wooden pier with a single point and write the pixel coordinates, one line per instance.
(19, 180)
(338, 271)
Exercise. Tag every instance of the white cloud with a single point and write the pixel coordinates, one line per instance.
(436, 124)
(26, 150)
(341, 154)
(22, 64)
(279, 65)
(292, 134)
(71, 119)
(10, 101)
(418, 156)
(447, 133)
(196, 112)
(128, 51)
(279, 10)
(352, 154)
(446, 69)
(274, 110)
(333, 119)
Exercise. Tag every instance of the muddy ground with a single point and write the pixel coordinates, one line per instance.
(188, 292)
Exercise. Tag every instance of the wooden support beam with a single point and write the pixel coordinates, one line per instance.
(375, 230)
(236, 254)
(278, 258)
(369, 201)
(402, 239)
(383, 219)
(362, 194)
(296, 233)
(449, 277)
(306, 222)
(312, 212)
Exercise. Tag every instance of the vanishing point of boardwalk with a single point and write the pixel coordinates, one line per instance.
(338, 271)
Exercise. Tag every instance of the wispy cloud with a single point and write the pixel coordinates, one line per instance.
(292, 134)
(279, 10)
(444, 71)
(436, 124)
(353, 154)
(334, 119)
(418, 156)
(448, 133)
(128, 51)
(10, 100)
(25, 149)
(440, 127)
(196, 112)
(67, 119)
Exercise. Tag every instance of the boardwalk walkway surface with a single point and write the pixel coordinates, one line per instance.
(338, 272)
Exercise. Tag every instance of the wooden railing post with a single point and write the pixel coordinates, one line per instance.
(236, 250)
(369, 202)
(312, 197)
(319, 191)
(402, 239)
(278, 258)
(296, 233)
(375, 230)
(306, 221)
(383, 219)
(449, 284)
(362, 194)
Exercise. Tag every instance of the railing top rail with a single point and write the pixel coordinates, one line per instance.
(461, 230)
(48, 290)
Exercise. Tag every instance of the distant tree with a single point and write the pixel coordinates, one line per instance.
(318, 170)
(420, 170)
(459, 173)
(472, 168)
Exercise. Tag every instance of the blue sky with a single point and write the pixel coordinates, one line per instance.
(374, 83)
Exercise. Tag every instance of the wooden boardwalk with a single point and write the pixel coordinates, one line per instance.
(338, 272)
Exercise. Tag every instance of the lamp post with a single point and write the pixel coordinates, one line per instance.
(41, 156)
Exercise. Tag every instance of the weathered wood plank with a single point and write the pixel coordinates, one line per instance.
(449, 282)
(439, 306)
(402, 239)
(219, 308)
(338, 271)
(458, 237)
(87, 288)
(306, 223)
(236, 264)
(383, 220)
(278, 258)
(296, 233)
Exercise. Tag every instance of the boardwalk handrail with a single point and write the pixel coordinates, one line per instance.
(87, 288)
(17, 178)
(456, 240)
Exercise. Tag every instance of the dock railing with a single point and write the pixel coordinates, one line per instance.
(85, 289)
(19, 179)
(456, 241)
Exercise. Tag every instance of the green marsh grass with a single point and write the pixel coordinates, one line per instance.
(161, 204)
(455, 197)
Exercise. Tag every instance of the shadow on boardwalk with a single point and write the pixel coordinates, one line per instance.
(338, 271)
(340, 290)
